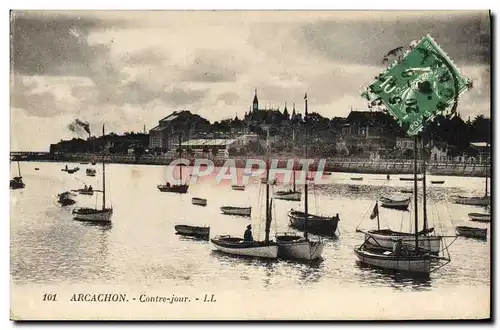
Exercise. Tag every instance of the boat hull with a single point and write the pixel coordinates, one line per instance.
(179, 189)
(236, 246)
(195, 231)
(240, 188)
(395, 204)
(93, 215)
(320, 225)
(476, 201)
(243, 211)
(66, 202)
(387, 260)
(297, 248)
(480, 217)
(288, 195)
(199, 201)
(387, 238)
(472, 232)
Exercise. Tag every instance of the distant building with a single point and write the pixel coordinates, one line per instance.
(404, 143)
(439, 152)
(179, 124)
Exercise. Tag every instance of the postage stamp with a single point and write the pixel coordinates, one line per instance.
(422, 85)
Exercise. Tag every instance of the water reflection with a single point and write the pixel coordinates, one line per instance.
(395, 279)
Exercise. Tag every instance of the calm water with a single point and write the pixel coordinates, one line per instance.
(141, 247)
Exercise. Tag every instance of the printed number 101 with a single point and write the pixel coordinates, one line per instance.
(49, 297)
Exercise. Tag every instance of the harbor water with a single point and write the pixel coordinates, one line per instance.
(140, 247)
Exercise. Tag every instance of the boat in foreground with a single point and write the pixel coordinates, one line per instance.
(386, 259)
(480, 217)
(194, 231)
(236, 210)
(385, 238)
(199, 201)
(296, 247)
(395, 203)
(472, 232)
(238, 246)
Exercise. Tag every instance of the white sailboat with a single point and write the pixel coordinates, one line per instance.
(387, 237)
(295, 246)
(17, 181)
(406, 256)
(94, 214)
(240, 247)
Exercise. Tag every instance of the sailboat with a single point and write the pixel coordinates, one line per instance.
(296, 246)
(304, 221)
(17, 181)
(404, 255)
(238, 246)
(291, 194)
(386, 237)
(477, 200)
(94, 214)
(175, 188)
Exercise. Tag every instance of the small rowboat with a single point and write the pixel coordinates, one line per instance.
(358, 178)
(437, 181)
(238, 187)
(472, 232)
(392, 203)
(410, 179)
(238, 246)
(235, 210)
(199, 201)
(480, 217)
(194, 231)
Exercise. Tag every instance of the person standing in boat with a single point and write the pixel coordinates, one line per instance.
(397, 248)
(248, 234)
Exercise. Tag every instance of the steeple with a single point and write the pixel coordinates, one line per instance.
(293, 112)
(285, 113)
(255, 102)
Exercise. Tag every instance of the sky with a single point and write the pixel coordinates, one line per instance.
(129, 69)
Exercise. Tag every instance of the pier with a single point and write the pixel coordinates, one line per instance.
(333, 164)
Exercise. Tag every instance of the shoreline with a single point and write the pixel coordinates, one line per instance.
(339, 165)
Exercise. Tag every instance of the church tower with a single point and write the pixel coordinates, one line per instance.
(255, 102)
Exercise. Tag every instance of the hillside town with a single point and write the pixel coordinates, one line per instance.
(362, 134)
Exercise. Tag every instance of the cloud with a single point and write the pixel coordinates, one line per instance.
(130, 69)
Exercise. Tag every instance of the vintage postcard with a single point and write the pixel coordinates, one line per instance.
(250, 165)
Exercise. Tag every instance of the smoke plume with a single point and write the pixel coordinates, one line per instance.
(79, 126)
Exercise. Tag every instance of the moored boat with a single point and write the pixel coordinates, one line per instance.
(357, 178)
(472, 232)
(238, 246)
(289, 195)
(238, 187)
(386, 237)
(236, 210)
(65, 199)
(395, 203)
(293, 246)
(437, 181)
(194, 231)
(475, 200)
(480, 217)
(409, 179)
(17, 181)
(90, 172)
(316, 224)
(175, 188)
(199, 201)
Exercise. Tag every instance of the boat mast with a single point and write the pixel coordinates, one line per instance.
(424, 187)
(19, 170)
(103, 176)
(268, 211)
(415, 189)
(180, 154)
(306, 200)
(293, 168)
(485, 175)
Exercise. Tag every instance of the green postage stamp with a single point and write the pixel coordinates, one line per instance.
(423, 84)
